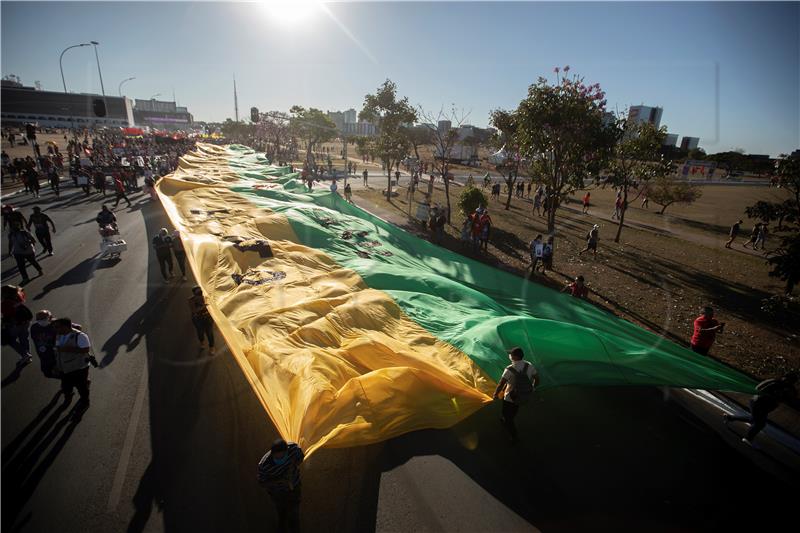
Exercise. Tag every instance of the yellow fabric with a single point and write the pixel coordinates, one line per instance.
(332, 361)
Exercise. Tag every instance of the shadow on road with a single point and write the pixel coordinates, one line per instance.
(27, 458)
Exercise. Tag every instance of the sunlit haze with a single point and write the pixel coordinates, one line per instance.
(477, 56)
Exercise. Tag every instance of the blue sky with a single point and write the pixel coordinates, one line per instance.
(478, 56)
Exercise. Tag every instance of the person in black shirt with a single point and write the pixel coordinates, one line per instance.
(105, 217)
(770, 393)
(162, 243)
(180, 253)
(279, 473)
(40, 221)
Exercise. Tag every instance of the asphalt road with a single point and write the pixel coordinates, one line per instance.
(173, 435)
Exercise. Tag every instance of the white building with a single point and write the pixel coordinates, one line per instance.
(643, 113)
(350, 116)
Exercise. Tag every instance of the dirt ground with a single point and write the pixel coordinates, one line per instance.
(663, 270)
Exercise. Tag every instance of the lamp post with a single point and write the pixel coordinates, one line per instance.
(97, 57)
(60, 66)
(122, 82)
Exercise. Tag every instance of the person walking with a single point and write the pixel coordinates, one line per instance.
(32, 180)
(105, 217)
(73, 356)
(519, 381)
(119, 189)
(21, 246)
(43, 335)
(55, 181)
(40, 223)
(547, 256)
(591, 240)
(761, 238)
(365, 174)
(586, 198)
(537, 203)
(16, 319)
(180, 252)
(734, 232)
(753, 236)
(536, 248)
(770, 393)
(279, 474)
(706, 328)
(348, 193)
(486, 229)
(201, 318)
(162, 243)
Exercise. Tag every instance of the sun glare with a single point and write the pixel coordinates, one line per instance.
(283, 12)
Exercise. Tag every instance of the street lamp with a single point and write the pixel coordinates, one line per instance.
(123, 81)
(97, 57)
(62, 67)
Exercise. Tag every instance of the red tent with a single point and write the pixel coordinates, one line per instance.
(133, 131)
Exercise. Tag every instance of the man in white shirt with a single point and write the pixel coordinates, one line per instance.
(72, 360)
(519, 380)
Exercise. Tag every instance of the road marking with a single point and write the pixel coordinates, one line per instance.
(127, 447)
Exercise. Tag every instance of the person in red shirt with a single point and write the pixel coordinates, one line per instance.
(706, 328)
(577, 288)
(586, 198)
(120, 189)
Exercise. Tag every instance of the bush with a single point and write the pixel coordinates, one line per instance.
(470, 199)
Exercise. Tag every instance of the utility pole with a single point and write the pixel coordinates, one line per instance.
(235, 99)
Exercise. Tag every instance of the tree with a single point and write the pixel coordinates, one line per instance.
(559, 129)
(313, 126)
(636, 156)
(390, 115)
(470, 199)
(274, 128)
(238, 132)
(443, 143)
(666, 191)
(419, 136)
(364, 146)
(785, 259)
(505, 140)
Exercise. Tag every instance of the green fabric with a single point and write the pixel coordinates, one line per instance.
(481, 310)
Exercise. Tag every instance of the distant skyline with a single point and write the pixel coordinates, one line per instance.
(476, 56)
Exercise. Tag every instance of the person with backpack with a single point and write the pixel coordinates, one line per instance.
(73, 356)
(21, 246)
(16, 317)
(40, 223)
(162, 243)
(279, 473)
(519, 381)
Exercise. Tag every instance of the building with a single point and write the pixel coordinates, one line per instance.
(671, 140)
(795, 154)
(350, 116)
(444, 126)
(643, 113)
(362, 129)
(162, 115)
(49, 109)
(689, 143)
